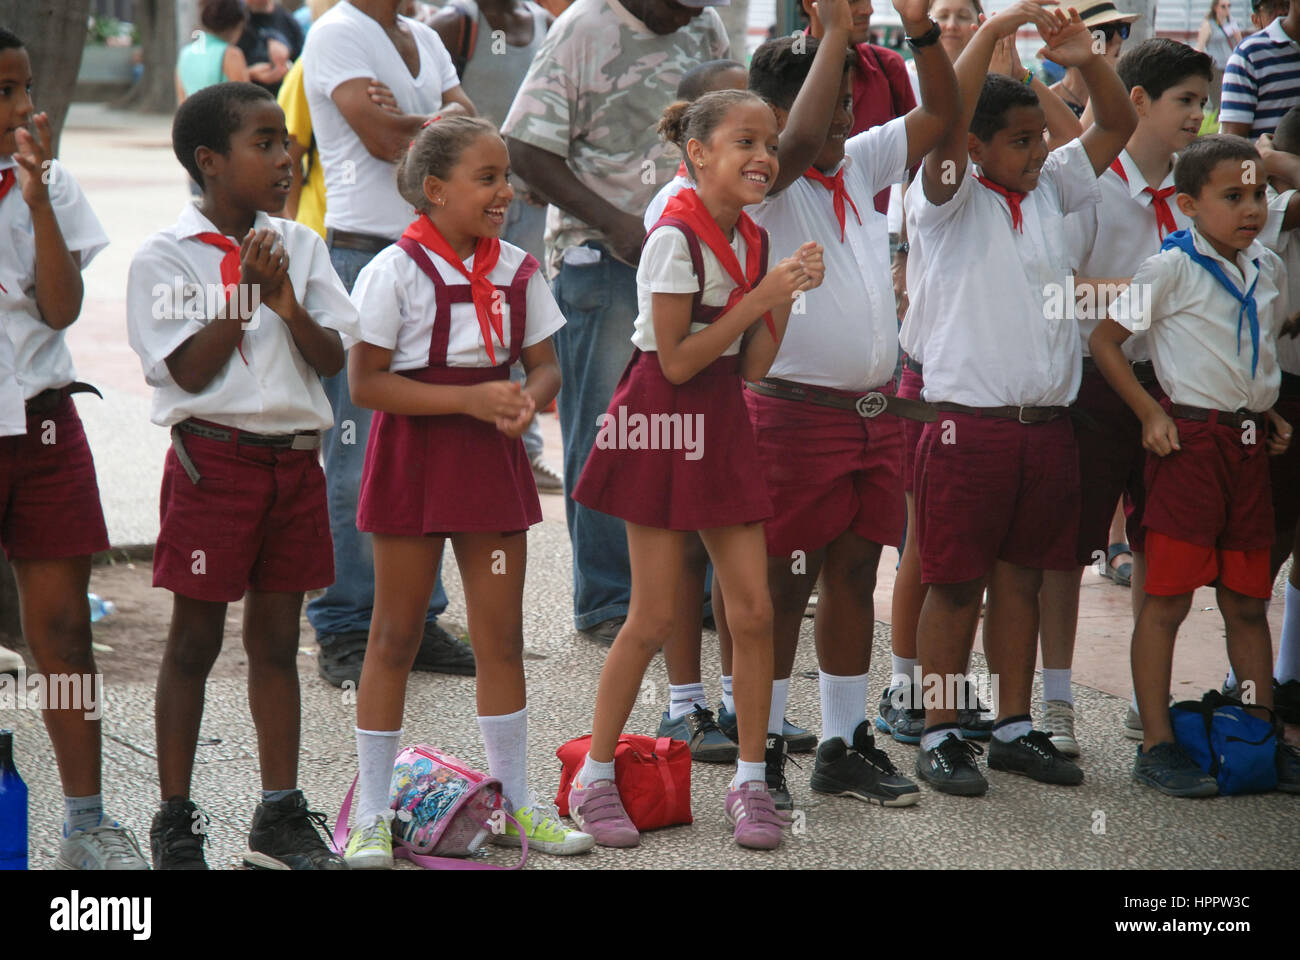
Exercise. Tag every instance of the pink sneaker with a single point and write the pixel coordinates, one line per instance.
(598, 810)
(750, 808)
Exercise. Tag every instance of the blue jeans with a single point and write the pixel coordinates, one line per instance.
(599, 302)
(346, 605)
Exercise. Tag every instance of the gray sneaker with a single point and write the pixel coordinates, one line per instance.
(110, 846)
(1058, 724)
(11, 661)
(707, 741)
(1169, 769)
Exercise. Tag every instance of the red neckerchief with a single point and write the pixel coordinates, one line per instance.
(7, 180)
(487, 250)
(689, 208)
(681, 171)
(835, 184)
(1165, 223)
(1013, 198)
(230, 271)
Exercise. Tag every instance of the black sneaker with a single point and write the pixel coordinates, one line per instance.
(440, 652)
(1286, 701)
(861, 771)
(605, 631)
(177, 836)
(1288, 766)
(950, 767)
(972, 720)
(285, 837)
(1169, 769)
(774, 756)
(897, 715)
(1035, 756)
(341, 657)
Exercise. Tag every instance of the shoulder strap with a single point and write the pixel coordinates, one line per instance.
(518, 300)
(441, 335)
(693, 245)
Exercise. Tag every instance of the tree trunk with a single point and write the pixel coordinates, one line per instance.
(736, 18)
(156, 91)
(54, 32)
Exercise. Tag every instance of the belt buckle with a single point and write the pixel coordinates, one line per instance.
(1020, 416)
(870, 405)
(304, 441)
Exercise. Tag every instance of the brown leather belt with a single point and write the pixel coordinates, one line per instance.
(867, 405)
(1235, 419)
(365, 242)
(48, 401)
(1144, 370)
(309, 440)
(1019, 414)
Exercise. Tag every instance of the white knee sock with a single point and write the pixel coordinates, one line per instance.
(505, 740)
(593, 770)
(1288, 652)
(376, 751)
(776, 712)
(685, 697)
(844, 704)
(904, 668)
(1056, 684)
(728, 701)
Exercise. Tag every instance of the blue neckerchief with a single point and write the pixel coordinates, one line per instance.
(1182, 239)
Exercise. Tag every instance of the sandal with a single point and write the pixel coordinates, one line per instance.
(1123, 574)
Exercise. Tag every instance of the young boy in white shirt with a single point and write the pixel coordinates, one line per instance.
(235, 317)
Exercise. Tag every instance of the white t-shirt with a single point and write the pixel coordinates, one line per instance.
(360, 189)
(40, 354)
(13, 416)
(1286, 244)
(397, 305)
(276, 391)
(846, 336)
(1114, 237)
(1191, 324)
(986, 318)
(669, 190)
(666, 268)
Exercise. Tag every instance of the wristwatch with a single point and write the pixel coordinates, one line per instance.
(904, 248)
(929, 38)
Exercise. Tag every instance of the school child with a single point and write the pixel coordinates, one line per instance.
(51, 521)
(1212, 301)
(996, 474)
(235, 316)
(445, 312)
(829, 433)
(1168, 83)
(704, 320)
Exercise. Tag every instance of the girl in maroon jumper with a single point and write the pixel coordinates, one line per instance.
(445, 459)
(704, 323)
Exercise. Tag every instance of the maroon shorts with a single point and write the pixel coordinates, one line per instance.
(1214, 490)
(827, 471)
(256, 520)
(49, 498)
(910, 385)
(1112, 462)
(993, 489)
(1284, 471)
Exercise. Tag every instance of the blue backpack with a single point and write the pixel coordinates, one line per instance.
(1229, 743)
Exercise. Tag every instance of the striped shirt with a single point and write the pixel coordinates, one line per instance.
(1262, 81)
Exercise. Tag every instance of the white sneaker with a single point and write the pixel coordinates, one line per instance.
(1058, 724)
(1133, 724)
(10, 661)
(110, 846)
(548, 479)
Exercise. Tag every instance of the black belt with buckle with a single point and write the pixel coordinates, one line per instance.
(1144, 370)
(1019, 414)
(48, 401)
(365, 242)
(1235, 419)
(309, 440)
(867, 405)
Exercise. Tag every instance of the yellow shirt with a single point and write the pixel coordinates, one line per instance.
(297, 117)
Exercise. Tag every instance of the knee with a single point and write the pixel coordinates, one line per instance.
(61, 643)
(646, 632)
(855, 573)
(1165, 612)
(1240, 609)
(194, 652)
(750, 617)
(392, 646)
(956, 596)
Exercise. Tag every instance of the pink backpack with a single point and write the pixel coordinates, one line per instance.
(444, 811)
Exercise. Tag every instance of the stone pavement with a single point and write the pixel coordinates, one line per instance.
(126, 166)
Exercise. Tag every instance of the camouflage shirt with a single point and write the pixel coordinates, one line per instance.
(594, 95)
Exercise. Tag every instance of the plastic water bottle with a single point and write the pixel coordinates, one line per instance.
(99, 607)
(13, 808)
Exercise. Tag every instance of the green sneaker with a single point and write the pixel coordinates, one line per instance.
(370, 847)
(544, 829)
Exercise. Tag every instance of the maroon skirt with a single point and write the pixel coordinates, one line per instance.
(677, 457)
(445, 474)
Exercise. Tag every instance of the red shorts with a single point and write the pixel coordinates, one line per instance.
(910, 385)
(1284, 471)
(49, 498)
(827, 471)
(1111, 462)
(1176, 567)
(256, 520)
(993, 489)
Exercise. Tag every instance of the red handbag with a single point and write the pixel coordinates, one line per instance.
(653, 776)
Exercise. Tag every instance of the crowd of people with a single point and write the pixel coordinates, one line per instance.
(1074, 345)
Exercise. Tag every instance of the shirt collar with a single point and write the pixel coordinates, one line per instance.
(7, 161)
(192, 222)
(1243, 266)
(1137, 183)
(1277, 34)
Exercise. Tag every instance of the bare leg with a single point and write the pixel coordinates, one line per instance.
(271, 628)
(1153, 661)
(193, 642)
(1011, 625)
(492, 569)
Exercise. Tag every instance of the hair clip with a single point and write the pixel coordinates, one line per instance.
(436, 117)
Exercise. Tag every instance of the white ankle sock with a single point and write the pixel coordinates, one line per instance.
(1134, 704)
(776, 712)
(728, 700)
(82, 813)
(844, 704)
(904, 668)
(593, 770)
(1056, 684)
(1288, 651)
(376, 751)
(685, 697)
(505, 740)
(933, 737)
(1013, 727)
(746, 772)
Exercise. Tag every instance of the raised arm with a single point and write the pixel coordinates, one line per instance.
(59, 288)
(939, 108)
(1062, 125)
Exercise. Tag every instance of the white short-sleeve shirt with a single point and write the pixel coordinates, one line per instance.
(1191, 324)
(986, 317)
(40, 355)
(1286, 244)
(666, 268)
(1114, 237)
(397, 304)
(173, 289)
(669, 190)
(13, 416)
(846, 336)
(344, 44)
